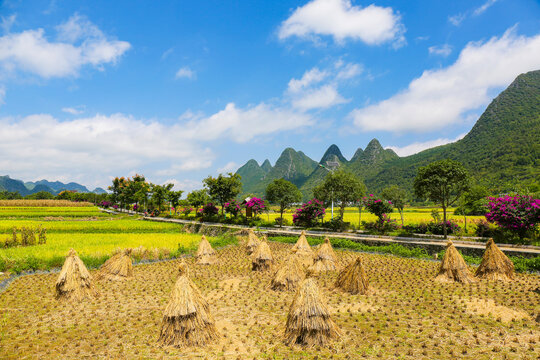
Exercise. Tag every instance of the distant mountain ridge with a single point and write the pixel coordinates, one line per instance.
(54, 187)
(501, 151)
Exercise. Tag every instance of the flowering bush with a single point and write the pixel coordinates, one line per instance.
(383, 225)
(519, 213)
(187, 210)
(437, 227)
(256, 205)
(136, 207)
(209, 210)
(232, 208)
(309, 213)
(377, 207)
(115, 207)
(105, 204)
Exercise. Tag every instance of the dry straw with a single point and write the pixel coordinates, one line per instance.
(309, 322)
(453, 268)
(252, 242)
(187, 320)
(325, 259)
(303, 250)
(353, 279)
(495, 265)
(118, 267)
(74, 281)
(205, 254)
(262, 257)
(288, 276)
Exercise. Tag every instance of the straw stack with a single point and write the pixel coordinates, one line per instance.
(309, 322)
(353, 279)
(205, 254)
(262, 257)
(118, 267)
(288, 276)
(74, 281)
(325, 259)
(252, 243)
(495, 265)
(187, 320)
(303, 250)
(453, 268)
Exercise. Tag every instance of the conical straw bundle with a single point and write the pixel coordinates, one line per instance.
(262, 257)
(74, 281)
(453, 267)
(252, 242)
(309, 322)
(288, 276)
(353, 279)
(495, 265)
(118, 267)
(205, 254)
(303, 250)
(325, 259)
(187, 320)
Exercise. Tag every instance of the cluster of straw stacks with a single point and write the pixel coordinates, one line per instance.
(187, 320)
(74, 281)
(118, 267)
(325, 259)
(205, 254)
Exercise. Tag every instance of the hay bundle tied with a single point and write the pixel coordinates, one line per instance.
(288, 276)
(309, 322)
(303, 250)
(252, 242)
(325, 259)
(262, 257)
(453, 268)
(495, 265)
(187, 320)
(205, 254)
(118, 267)
(74, 281)
(353, 279)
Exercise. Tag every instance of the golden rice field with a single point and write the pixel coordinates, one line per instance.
(405, 315)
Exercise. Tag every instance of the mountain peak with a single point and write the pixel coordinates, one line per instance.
(357, 154)
(266, 166)
(333, 154)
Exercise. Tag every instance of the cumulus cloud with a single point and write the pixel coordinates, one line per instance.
(309, 78)
(340, 19)
(73, 110)
(322, 98)
(444, 96)
(79, 43)
(185, 72)
(442, 50)
(416, 147)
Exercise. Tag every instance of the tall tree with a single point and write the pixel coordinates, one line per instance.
(283, 193)
(442, 182)
(223, 188)
(198, 198)
(174, 198)
(160, 193)
(397, 196)
(342, 187)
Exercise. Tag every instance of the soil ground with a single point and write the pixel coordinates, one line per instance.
(406, 314)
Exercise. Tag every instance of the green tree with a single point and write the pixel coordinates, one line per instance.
(174, 198)
(223, 188)
(160, 193)
(442, 182)
(283, 193)
(40, 195)
(198, 198)
(397, 196)
(342, 187)
(473, 202)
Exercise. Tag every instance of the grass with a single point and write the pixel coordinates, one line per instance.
(44, 212)
(405, 316)
(43, 203)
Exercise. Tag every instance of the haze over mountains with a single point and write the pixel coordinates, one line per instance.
(55, 187)
(501, 151)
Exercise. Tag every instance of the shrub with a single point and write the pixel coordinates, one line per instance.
(232, 208)
(437, 227)
(381, 226)
(519, 213)
(309, 214)
(337, 224)
(256, 205)
(377, 207)
(209, 210)
(187, 210)
(105, 204)
(285, 222)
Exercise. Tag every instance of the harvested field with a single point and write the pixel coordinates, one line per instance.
(406, 314)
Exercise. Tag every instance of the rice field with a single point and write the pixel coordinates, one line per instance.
(405, 315)
(50, 212)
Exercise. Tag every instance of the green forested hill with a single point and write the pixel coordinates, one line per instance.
(502, 150)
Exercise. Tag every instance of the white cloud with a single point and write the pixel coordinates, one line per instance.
(231, 166)
(7, 23)
(484, 7)
(79, 43)
(73, 110)
(456, 20)
(373, 24)
(442, 50)
(416, 147)
(186, 185)
(309, 78)
(349, 71)
(2, 94)
(324, 97)
(444, 96)
(185, 72)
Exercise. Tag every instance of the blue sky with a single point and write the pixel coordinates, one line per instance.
(182, 90)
